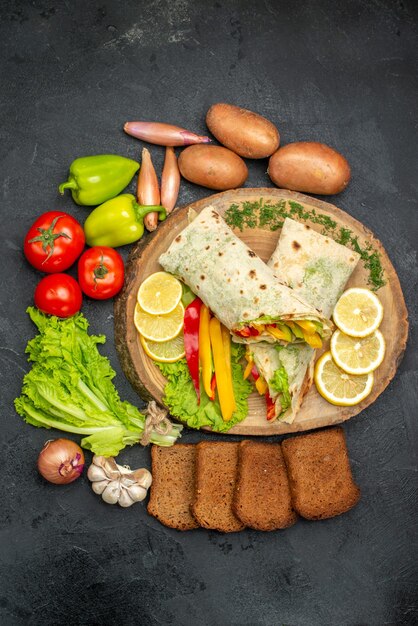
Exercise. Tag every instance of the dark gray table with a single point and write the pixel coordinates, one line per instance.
(344, 73)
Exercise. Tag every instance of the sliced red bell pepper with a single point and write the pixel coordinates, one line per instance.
(191, 341)
(271, 408)
(247, 331)
(243, 332)
(254, 373)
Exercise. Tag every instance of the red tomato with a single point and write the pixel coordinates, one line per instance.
(54, 242)
(101, 272)
(58, 294)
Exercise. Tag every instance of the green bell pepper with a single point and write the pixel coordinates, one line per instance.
(95, 179)
(118, 222)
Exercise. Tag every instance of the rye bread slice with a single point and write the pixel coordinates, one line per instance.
(262, 494)
(173, 485)
(216, 467)
(321, 482)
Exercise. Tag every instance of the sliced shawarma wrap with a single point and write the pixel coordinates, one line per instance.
(317, 268)
(241, 290)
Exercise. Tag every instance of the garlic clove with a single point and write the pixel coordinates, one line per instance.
(99, 486)
(96, 473)
(108, 465)
(124, 469)
(124, 499)
(127, 481)
(112, 468)
(143, 477)
(137, 493)
(112, 492)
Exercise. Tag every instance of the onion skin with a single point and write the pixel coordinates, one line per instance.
(163, 134)
(148, 191)
(310, 167)
(61, 461)
(214, 167)
(248, 134)
(170, 180)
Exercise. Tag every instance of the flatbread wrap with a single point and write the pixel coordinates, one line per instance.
(317, 268)
(241, 290)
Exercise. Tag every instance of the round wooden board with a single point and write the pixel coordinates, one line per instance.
(315, 411)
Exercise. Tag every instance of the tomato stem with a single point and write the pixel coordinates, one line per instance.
(100, 272)
(47, 237)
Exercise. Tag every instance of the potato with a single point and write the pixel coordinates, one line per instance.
(248, 134)
(309, 166)
(212, 166)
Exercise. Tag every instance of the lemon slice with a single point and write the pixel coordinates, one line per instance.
(358, 355)
(164, 351)
(159, 294)
(338, 387)
(159, 327)
(358, 312)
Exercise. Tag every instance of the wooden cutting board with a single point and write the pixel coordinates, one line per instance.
(258, 215)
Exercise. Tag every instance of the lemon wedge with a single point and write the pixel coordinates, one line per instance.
(358, 355)
(159, 328)
(164, 351)
(338, 387)
(159, 294)
(358, 312)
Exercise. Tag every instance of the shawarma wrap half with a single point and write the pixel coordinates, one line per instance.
(241, 290)
(316, 268)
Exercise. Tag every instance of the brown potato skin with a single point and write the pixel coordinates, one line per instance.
(248, 134)
(213, 167)
(309, 166)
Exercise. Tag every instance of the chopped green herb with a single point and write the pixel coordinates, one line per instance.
(264, 214)
(344, 236)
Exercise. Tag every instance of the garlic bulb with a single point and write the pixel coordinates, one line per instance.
(118, 484)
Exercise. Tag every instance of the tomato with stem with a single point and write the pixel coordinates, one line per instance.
(101, 272)
(54, 242)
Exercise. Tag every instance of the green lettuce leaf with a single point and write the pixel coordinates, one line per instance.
(180, 395)
(280, 383)
(70, 388)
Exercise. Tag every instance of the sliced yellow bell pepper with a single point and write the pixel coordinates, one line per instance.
(248, 369)
(226, 340)
(223, 382)
(261, 386)
(205, 354)
(306, 325)
(314, 340)
(276, 332)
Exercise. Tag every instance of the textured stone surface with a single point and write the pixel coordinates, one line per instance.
(339, 72)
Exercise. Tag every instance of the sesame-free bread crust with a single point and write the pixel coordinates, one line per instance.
(319, 471)
(262, 498)
(216, 468)
(173, 485)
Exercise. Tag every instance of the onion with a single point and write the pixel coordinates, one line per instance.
(61, 461)
(170, 180)
(163, 134)
(148, 191)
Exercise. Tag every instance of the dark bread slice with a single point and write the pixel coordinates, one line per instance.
(173, 485)
(320, 476)
(262, 494)
(216, 467)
